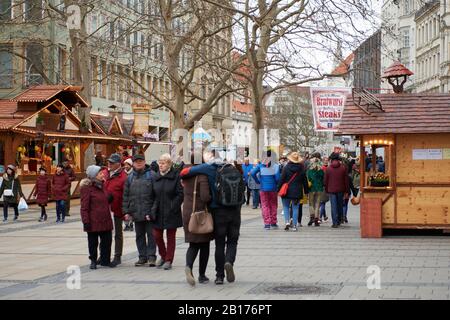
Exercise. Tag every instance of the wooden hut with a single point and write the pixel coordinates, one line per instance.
(412, 131)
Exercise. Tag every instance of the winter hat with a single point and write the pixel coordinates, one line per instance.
(92, 171)
(12, 167)
(129, 161)
(138, 157)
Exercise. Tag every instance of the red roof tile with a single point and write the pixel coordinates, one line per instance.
(397, 69)
(242, 107)
(344, 65)
(42, 93)
(404, 113)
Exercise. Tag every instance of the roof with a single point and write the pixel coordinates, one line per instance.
(9, 117)
(43, 92)
(404, 113)
(344, 66)
(242, 107)
(397, 69)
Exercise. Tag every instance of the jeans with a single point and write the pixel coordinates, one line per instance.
(5, 209)
(337, 206)
(145, 242)
(192, 253)
(118, 237)
(167, 253)
(105, 246)
(345, 208)
(286, 208)
(256, 198)
(60, 210)
(323, 212)
(227, 224)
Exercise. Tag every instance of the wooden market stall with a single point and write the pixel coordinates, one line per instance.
(413, 133)
(40, 127)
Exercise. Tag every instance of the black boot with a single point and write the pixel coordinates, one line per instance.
(316, 223)
(311, 221)
(93, 265)
(116, 261)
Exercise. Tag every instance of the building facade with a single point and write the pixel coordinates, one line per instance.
(126, 62)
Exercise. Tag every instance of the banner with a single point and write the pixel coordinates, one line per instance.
(328, 107)
(141, 118)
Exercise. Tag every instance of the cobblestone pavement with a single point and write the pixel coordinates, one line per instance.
(313, 263)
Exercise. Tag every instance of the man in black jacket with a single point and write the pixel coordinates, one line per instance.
(137, 205)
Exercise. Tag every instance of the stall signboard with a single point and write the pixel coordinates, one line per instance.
(429, 154)
(141, 118)
(328, 107)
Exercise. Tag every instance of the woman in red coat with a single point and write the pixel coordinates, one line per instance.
(60, 187)
(96, 217)
(42, 192)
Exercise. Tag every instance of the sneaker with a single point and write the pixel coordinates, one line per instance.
(274, 226)
(345, 220)
(160, 263)
(218, 281)
(116, 261)
(294, 229)
(325, 219)
(203, 279)
(58, 221)
(167, 265)
(41, 219)
(62, 221)
(152, 262)
(93, 266)
(288, 225)
(229, 271)
(5, 220)
(141, 262)
(16, 218)
(335, 226)
(189, 277)
(267, 226)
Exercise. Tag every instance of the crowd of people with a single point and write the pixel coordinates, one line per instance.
(156, 199)
(310, 179)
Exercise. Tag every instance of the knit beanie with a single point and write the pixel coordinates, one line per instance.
(92, 171)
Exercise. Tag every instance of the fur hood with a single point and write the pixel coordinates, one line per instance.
(85, 182)
(5, 176)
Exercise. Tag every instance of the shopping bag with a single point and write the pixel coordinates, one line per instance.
(23, 206)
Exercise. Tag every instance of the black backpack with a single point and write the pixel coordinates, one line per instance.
(230, 186)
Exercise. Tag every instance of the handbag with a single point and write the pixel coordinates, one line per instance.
(284, 188)
(201, 222)
(9, 192)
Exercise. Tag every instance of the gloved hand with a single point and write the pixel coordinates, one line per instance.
(110, 198)
(87, 227)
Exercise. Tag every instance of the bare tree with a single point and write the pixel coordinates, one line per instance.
(292, 116)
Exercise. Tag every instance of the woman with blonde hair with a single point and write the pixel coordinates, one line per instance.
(166, 211)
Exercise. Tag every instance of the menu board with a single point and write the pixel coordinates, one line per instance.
(430, 154)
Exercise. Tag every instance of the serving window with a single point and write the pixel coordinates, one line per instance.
(378, 161)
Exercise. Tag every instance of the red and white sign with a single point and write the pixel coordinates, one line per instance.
(328, 107)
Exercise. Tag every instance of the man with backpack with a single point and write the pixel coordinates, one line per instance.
(137, 205)
(227, 189)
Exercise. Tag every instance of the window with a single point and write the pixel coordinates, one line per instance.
(407, 7)
(405, 38)
(5, 10)
(6, 66)
(34, 66)
(94, 77)
(112, 82)
(103, 79)
(111, 31)
(33, 10)
(61, 71)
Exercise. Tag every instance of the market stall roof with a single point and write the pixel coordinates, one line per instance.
(9, 117)
(59, 134)
(43, 93)
(403, 113)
